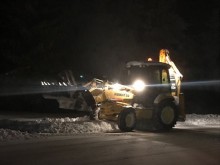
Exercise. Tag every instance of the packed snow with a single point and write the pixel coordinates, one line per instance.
(7, 134)
(75, 125)
(210, 120)
(23, 129)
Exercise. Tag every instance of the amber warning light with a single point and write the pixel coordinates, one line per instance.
(149, 59)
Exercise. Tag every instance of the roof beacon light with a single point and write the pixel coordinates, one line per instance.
(149, 59)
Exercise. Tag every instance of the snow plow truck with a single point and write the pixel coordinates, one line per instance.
(147, 96)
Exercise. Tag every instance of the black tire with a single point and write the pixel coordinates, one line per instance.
(164, 116)
(127, 120)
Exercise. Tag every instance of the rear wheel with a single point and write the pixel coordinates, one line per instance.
(127, 120)
(165, 116)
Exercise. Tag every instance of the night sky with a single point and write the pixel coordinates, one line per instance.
(99, 36)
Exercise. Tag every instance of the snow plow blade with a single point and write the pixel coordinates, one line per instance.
(69, 94)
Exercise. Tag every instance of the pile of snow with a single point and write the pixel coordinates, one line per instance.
(23, 129)
(76, 125)
(7, 134)
(210, 120)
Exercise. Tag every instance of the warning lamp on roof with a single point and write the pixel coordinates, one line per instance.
(149, 59)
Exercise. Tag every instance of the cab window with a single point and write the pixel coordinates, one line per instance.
(165, 79)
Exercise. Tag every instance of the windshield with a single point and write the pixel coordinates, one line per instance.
(150, 75)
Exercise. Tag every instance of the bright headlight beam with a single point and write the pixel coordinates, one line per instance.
(116, 86)
(201, 83)
(139, 85)
(41, 89)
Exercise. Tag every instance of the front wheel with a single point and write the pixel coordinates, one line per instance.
(127, 120)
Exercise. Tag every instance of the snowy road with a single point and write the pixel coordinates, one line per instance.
(180, 146)
(80, 141)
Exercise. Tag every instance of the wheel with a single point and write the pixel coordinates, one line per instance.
(165, 116)
(127, 120)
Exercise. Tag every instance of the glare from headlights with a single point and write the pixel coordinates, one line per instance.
(116, 86)
(139, 85)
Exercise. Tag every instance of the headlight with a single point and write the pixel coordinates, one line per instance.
(139, 85)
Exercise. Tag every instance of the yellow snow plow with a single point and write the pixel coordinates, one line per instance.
(147, 96)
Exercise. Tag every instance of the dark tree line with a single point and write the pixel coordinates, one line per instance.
(96, 35)
(43, 37)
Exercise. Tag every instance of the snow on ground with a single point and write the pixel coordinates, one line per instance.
(7, 134)
(76, 125)
(26, 129)
(210, 120)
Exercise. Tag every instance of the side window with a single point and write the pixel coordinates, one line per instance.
(164, 76)
(155, 76)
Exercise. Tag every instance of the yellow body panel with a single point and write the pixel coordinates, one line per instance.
(118, 95)
(162, 56)
(110, 110)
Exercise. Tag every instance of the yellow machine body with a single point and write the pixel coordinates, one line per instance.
(113, 98)
(159, 100)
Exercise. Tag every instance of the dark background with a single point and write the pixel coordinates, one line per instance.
(39, 38)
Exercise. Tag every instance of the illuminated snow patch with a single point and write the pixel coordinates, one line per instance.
(63, 120)
(210, 120)
(32, 128)
(23, 129)
(76, 125)
(7, 134)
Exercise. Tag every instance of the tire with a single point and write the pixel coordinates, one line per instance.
(165, 116)
(127, 120)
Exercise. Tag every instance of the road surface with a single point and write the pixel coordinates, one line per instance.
(191, 146)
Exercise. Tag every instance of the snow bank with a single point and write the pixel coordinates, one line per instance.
(210, 120)
(22, 129)
(7, 134)
(26, 129)
(76, 125)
